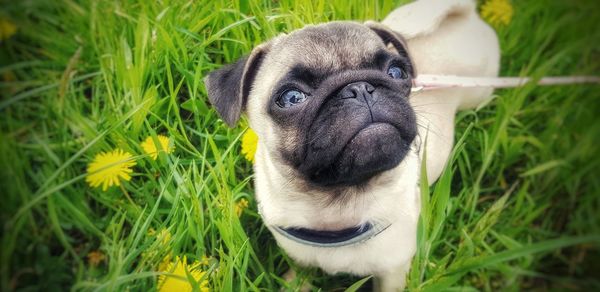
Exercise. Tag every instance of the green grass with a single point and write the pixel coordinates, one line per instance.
(517, 208)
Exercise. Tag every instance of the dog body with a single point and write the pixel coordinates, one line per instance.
(340, 142)
(446, 38)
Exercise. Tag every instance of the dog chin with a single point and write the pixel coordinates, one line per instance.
(374, 149)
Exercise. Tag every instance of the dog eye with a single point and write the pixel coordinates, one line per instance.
(396, 72)
(290, 98)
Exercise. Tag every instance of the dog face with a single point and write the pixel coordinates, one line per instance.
(328, 102)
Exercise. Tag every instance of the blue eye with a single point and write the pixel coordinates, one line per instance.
(396, 73)
(290, 98)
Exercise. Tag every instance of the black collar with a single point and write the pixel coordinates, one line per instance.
(332, 238)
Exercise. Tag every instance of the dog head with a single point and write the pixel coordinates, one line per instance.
(328, 102)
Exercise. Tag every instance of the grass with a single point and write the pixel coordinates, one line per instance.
(516, 209)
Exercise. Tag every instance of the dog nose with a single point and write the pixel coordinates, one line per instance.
(357, 90)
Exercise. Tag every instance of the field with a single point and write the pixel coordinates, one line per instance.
(518, 207)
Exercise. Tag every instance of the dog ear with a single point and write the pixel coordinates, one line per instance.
(228, 88)
(389, 37)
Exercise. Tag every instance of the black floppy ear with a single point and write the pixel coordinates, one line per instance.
(389, 37)
(229, 86)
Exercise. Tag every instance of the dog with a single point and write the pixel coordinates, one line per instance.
(341, 137)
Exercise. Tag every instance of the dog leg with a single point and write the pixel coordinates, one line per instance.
(392, 281)
(291, 276)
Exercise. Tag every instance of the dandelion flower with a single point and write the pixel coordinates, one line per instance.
(151, 148)
(204, 260)
(95, 258)
(240, 206)
(164, 238)
(165, 263)
(108, 168)
(7, 29)
(178, 281)
(497, 12)
(151, 232)
(249, 143)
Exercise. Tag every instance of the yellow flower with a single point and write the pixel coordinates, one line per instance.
(108, 168)
(205, 260)
(178, 281)
(151, 148)
(497, 12)
(95, 257)
(164, 238)
(240, 206)
(165, 263)
(7, 29)
(249, 143)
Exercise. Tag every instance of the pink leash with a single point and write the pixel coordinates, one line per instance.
(431, 82)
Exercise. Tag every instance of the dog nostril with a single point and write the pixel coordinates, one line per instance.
(348, 93)
(356, 89)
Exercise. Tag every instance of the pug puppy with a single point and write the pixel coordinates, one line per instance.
(341, 138)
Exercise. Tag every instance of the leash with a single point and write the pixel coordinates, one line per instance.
(427, 82)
